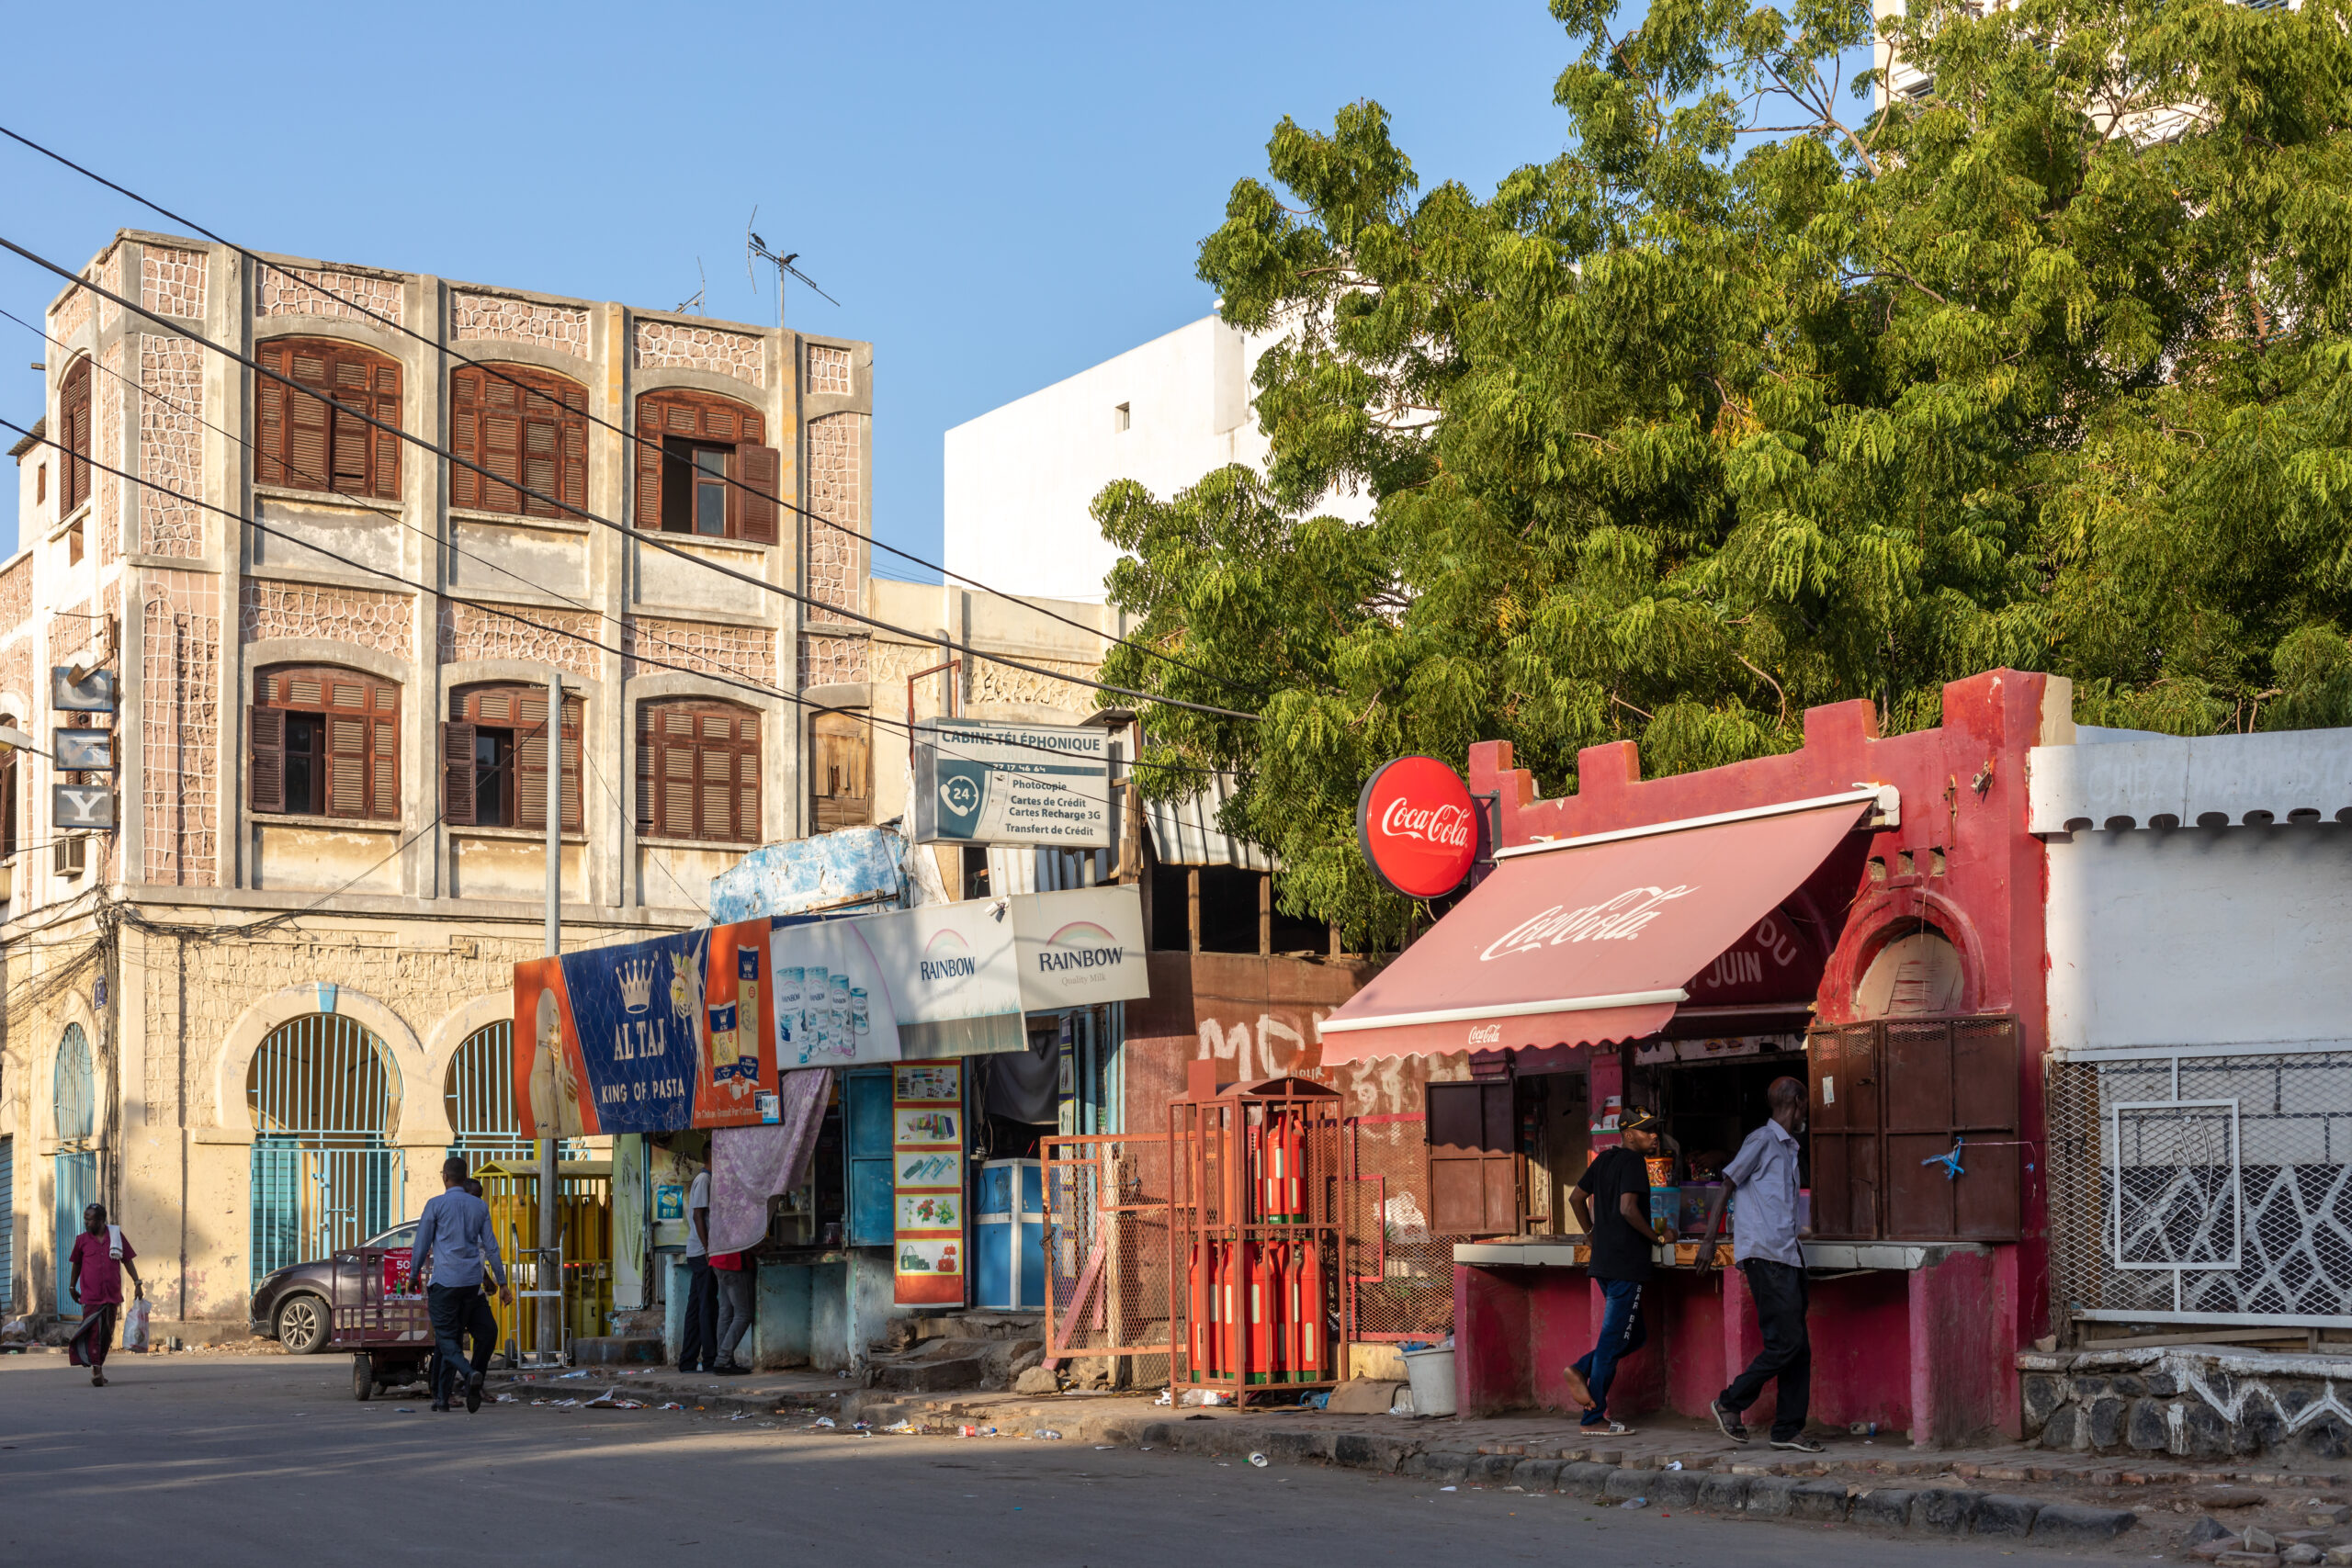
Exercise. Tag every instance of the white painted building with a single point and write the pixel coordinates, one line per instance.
(1020, 478)
(2199, 909)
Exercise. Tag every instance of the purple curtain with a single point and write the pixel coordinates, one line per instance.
(751, 1165)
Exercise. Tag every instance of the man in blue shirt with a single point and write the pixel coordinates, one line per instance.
(454, 1239)
(1766, 1249)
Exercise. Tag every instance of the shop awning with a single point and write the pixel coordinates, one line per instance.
(1591, 938)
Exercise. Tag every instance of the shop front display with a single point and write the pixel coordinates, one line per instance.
(1861, 916)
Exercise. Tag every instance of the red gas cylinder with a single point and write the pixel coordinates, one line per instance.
(1310, 1364)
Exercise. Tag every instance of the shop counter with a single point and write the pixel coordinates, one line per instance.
(1525, 1308)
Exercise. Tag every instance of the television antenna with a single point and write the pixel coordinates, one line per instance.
(756, 248)
(695, 304)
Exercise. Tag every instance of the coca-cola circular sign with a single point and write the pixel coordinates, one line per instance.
(1418, 827)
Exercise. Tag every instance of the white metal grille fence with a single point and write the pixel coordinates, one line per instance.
(323, 1095)
(2202, 1186)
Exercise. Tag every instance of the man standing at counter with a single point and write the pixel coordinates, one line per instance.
(1765, 1248)
(1616, 1189)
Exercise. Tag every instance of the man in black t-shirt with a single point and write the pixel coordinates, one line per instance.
(1611, 1200)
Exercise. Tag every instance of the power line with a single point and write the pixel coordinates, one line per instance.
(643, 536)
(628, 434)
(717, 678)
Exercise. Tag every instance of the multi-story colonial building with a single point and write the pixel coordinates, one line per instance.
(251, 1016)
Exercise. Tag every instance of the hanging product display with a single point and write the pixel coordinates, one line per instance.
(927, 1150)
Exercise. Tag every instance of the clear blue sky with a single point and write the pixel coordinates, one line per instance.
(999, 195)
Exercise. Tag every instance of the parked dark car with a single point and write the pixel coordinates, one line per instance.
(295, 1305)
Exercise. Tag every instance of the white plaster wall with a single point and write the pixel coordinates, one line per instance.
(2200, 936)
(1019, 478)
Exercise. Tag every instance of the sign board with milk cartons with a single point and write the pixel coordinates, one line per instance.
(983, 783)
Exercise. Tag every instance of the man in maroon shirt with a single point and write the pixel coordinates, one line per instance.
(101, 1256)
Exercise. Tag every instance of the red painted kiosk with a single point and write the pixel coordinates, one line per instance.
(1862, 914)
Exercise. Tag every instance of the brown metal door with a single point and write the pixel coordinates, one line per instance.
(1474, 1163)
(1845, 1067)
(1952, 1081)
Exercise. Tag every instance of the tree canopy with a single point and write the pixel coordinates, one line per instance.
(1762, 395)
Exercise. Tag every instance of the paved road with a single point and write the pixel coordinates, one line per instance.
(193, 1461)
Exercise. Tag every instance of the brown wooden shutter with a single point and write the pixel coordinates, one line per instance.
(348, 764)
(677, 782)
(384, 466)
(266, 769)
(649, 463)
(1952, 1081)
(501, 444)
(649, 750)
(73, 418)
(309, 420)
(575, 461)
(353, 437)
(759, 469)
(384, 784)
(531, 761)
(465, 436)
(572, 757)
(1474, 1160)
(457, 774)
(1846, 1063)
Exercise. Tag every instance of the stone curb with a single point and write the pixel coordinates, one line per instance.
(1946, 1511)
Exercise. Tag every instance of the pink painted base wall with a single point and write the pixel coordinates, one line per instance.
(1516, 1329)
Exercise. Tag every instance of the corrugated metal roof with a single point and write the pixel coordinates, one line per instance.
(1184, 832)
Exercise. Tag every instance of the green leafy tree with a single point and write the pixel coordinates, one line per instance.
(1762, 396)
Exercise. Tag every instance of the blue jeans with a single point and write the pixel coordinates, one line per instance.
(1622, 1334)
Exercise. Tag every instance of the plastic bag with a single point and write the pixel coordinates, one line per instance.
(134, 1327)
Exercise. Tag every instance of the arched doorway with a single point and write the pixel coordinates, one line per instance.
(1916, 976)
(74, 1085)
(323, 1095)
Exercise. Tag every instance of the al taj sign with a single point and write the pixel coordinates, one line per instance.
(1418, 827)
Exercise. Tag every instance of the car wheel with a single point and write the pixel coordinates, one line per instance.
(302, 1325)
(363, 1377)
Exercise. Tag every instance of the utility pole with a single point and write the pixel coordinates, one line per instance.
(550, 1273)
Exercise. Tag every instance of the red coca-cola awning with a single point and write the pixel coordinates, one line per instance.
(1590, 938)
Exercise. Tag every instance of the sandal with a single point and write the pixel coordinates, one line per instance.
(98, 1378)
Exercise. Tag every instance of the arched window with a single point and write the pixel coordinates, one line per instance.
(526, 425)
(698, 770)
(73, 1169)
(316, 439)
(690, 444)
(479, 1092)
(73, 434)
(326, 742)
(1919, 975)
(840, 761)
(8, 782)
(323, 1095)
(494, 758)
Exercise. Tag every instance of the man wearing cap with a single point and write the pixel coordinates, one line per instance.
(1766, 1249)
(1611, 1200)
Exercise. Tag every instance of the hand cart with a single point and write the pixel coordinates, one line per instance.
(387, 1330)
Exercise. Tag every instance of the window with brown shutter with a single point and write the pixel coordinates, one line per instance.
(1474, 1160)
(840, 761)
(703, 467)
(698, 770)
(533, 435)
(494, 756)
(317, 439)
(73, 434)
(324, 741)
(1890, 1099)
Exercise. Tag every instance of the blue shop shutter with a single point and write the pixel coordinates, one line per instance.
(866, 1137)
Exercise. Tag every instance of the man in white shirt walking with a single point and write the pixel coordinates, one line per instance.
(1766, 1249)
(699, 1340)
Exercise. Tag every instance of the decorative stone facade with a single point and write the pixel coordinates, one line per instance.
(110, 279)
(2198, 1402)
(72, 316)
(17, 595)
(356, 616)
(830, 661)
(499, 318)
(985, 681)
(181, 728)
(300, 291)
(746, 652)
(829, 371)
(836, 492)
(70, 630)
(674, 345)
(465, 634)
(106, 516)
(170, 447)
(172, 282)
